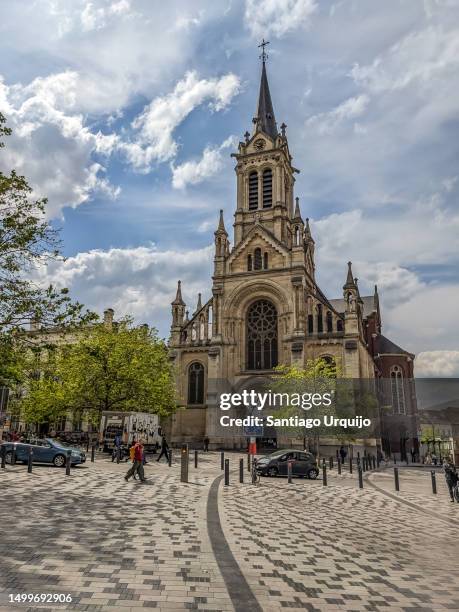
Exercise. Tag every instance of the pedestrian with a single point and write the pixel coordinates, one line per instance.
(164, 449)
(206, 444)
(451, 476)
(137, 466)
(434, 458)
(343, 453)
(413, 455)
(116, 447)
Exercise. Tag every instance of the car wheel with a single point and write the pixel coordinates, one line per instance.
(272, 471)
(312, 474)
(8, 457)
(59, 461)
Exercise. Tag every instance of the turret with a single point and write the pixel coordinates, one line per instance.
(221, 247)
(178, 313)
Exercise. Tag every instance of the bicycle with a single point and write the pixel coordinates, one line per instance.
(256, 478)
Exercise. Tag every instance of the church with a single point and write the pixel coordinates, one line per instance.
(266, 307)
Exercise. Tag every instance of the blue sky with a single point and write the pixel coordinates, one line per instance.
(125, 114)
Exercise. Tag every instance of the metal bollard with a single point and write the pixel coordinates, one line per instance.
(360, 477)
(222, 460)
(395, 460)
(289, 471)
(434, 482)
(339, 465)
(241, 470)
(331, 463)
(68, 462)
(195, 458)
(169, 457)
(397, 483)
(248, 462)
(226, 472)
(324, 475)
(93, 453)
(350, 465)
(3, 455)
(184, 462)
(29, 460)
(364, 463)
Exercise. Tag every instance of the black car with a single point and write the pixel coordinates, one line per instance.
(276, 464)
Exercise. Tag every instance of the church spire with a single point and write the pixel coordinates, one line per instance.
(178, 298)
(264, 120)
(350, 283)
(221, 225)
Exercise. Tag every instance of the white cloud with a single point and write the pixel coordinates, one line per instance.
(194, 172)
(437, 364)
(277, 17)
(140, 281)
(156, 124)
(351, 108)
(94, 17)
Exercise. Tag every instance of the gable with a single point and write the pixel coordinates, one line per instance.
(258, 237)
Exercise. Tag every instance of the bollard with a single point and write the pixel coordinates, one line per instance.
(3, 455)
(169, 457)
(93, 453)
(184, 462)
(226, 472)
(289, 471)
(13, 455)
(350, 465)
(358, 456)
(222, 460)
(331, 463)
(337, 455)
(195, 458)
(248, 462)
(434, 482)
(68, 462)
(87, 445)
(364, 463)
(339, 465)
(397, 483)
(241, 470)
(360, 477)
(395, 460)
(324, 475)
(29, 460)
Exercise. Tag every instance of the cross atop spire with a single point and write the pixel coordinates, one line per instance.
(263, 55)
(264, 119)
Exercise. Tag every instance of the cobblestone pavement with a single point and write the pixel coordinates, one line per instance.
(118, 546)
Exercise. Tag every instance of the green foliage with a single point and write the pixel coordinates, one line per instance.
(123, 368)
(27, 241)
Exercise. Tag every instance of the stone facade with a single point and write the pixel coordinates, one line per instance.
(268, 273)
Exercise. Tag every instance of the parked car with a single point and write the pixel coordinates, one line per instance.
(276, 464)
(44, 451)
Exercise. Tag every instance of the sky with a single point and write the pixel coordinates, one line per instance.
(125, 114)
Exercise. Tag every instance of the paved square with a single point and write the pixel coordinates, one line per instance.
(114, 545)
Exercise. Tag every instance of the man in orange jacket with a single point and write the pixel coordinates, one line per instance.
(137, 464)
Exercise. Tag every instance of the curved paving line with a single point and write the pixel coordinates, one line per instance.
(411, 504)
(239, 591)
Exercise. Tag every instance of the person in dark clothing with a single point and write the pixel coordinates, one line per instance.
(343, 453)
(206, 444)
(164, 449)
(116, 447)
(451, 477)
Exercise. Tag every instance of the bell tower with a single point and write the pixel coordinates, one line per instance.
(265, 175)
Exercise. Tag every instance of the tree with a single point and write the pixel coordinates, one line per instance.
(119, 367)
(27, 242)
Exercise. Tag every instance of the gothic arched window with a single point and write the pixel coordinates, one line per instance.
(397, 389)
(320, 321)
(196, 383)
(339, 325)
(253, 190)
(249, 263)
(267, 188)
(257, 260)
(329, 321)
(262, 336)
(265, 261)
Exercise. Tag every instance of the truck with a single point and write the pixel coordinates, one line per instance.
(131, 426)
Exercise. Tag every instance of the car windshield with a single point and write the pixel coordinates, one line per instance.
(58, 443)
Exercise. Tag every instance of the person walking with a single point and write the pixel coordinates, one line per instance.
(451, 477)
(164, 449)
(137, 466)
(116, 448)
(342, 452)
(206, 444)
(413, 455)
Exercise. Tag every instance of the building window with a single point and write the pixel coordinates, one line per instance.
(397, 389)
(267, 188)
(257, 260)
(249, 263)
(196, 384)
(265, 261)
(320, 321)
(253, 190)
(329, 321)
(310, 324)
(262, 336)
(339, 325)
